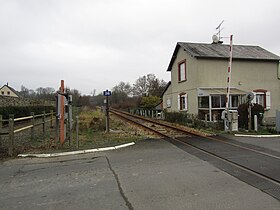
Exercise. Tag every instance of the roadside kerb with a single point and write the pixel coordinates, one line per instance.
(77, 152)
(256, 136)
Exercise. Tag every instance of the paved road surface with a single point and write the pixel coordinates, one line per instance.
(153, 174)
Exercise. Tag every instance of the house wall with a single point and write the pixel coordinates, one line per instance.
(167, 96)
(189, 86)
(246, 76)
(6, 89)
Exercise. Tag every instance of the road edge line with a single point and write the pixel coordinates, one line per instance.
(44, 155)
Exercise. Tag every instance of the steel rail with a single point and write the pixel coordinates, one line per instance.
(197, 134)
(139, 124)
(157, 122)
(254, 172)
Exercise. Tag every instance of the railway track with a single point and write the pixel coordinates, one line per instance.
(254, 165)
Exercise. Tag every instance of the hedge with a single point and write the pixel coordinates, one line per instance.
(22, 111)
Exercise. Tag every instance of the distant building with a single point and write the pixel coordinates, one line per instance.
(199, 79)
(6, 90)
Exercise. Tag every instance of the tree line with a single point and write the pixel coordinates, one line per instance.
(145, 92)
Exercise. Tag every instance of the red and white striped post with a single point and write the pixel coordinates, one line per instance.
(229, 75)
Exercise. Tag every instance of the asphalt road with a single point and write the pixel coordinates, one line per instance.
(153, 174)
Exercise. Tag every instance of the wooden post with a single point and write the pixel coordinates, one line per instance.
(70, 122)
(44, 126)
(33, 123)
(11, 134)
(1, 118)
(56, 132)
(51, 119)
(77, 132)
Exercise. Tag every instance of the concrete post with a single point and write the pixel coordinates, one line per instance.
(77, 132)
(256, 123)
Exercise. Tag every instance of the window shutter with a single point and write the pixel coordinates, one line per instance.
(255, 98)
(267, 95)
(179, 106)
(186, 102)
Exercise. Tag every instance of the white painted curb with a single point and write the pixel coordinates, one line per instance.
(256, 136)
(76, 152)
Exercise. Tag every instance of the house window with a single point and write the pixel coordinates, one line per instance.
(2, 93)
(262, 97)
(234, 101)
(210, 107)
(183, 102)
(218, 101)
(168, 103)
(182, 72)
(203, 102)
(8, 92)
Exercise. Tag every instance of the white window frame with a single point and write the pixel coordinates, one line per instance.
(183, 102)
(182, 71)
(266, 103)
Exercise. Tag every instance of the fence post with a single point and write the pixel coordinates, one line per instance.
(33, 123)
(70, 125)
(51, 118)
(77, 132)
(56, 131)
(1, 118)
(11, 134)
(44, 126)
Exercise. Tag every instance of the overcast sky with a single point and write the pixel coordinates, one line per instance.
(95, 44)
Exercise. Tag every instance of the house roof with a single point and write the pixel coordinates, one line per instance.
(221, 51)
(165, 89)
(219, 91)
(12, 89)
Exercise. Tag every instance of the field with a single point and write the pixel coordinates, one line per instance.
(92, 130)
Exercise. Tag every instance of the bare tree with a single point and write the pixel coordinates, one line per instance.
(148, 85)
(124, 88)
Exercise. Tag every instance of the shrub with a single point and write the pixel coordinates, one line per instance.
(22, 111)
(243, 114)
(178, 117)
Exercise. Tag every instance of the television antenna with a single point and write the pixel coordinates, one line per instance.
(217, 37)
(220, 29)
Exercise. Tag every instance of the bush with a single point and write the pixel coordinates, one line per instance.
(178, 117)
(243, 115)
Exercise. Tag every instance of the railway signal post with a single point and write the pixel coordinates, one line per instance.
(64, 114)
(107, 93)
